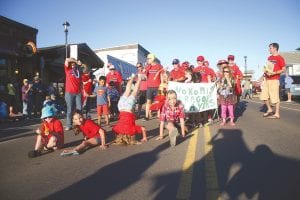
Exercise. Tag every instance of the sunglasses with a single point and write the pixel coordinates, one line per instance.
(226, 71)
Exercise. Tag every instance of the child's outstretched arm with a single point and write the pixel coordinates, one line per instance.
(182, 126)
(128, 87)
(136, 87)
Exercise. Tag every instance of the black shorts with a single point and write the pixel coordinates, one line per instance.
(141, 97)
(151, 93)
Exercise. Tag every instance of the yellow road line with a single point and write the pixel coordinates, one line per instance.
(212, 186)
(185, 184)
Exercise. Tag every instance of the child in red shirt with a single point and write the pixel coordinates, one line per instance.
(50, 135)
(93, 135)
(158, 102)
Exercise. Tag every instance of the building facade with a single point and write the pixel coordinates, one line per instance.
(18, 55)
(132, 53)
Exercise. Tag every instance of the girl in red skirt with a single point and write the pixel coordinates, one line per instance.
(126, 129)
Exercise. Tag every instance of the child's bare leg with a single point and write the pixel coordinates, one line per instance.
(148, 104)
(87, 143)
(106, 119)
(144, 133)
(170, 127)
(99, 120)
(38, 143)
(52, 142)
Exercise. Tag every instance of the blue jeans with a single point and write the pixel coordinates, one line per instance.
(72, 98)
(27, 108)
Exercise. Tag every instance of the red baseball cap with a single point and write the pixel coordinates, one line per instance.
(200, 58)
(185, 64)
(230, 57)
(220, 62)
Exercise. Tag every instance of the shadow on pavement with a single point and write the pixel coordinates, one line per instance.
(112, 178)
(260, 174)
(240, 109)
(242, 174)
(6, 135)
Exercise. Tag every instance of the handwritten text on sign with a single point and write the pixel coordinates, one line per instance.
(196, 97)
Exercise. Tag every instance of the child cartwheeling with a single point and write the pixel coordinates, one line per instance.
(103, 100)
(93, 135)
(50, 135)
(172, 117)
(126, 129)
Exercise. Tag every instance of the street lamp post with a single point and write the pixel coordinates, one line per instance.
(66, 25)
(245, 57)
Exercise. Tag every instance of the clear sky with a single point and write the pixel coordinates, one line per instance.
(168, 28)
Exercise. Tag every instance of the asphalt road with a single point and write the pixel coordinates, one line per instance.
(257, 159)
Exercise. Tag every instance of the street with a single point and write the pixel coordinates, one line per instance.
(256, 159)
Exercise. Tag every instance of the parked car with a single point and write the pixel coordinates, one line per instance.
(295, 88)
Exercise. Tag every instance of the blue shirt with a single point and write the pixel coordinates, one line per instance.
(101, 93)
(113, 94)
(288, 82)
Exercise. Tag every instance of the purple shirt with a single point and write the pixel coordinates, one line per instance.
(25, 95)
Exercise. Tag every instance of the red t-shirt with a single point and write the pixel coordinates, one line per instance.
(55, 126)
(236, 72)
(90, 129)
(73, 80)
(279, 63)
(115, 77)
(177, 74)
(87, 83)
(143, 84)
(205, 72)
(151, 71)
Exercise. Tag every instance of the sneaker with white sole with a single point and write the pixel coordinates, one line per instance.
(69, 153)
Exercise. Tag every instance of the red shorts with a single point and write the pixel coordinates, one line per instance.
(102, 109)
(126, 124)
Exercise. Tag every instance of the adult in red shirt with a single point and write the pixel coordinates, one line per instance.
(115, 76)
(93, 135)
(50, 135)
(153, 72)
(207, 74)
(73, 88)
(177, 74)
(270, 90)
(237, 74)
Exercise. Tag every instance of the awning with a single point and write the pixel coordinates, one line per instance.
(53, 58)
